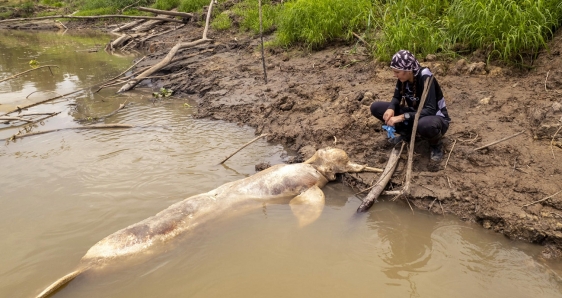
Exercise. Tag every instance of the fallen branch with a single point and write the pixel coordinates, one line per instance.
(127, 26)
(180, 45)
(17, 109)
(499, 141)
(21, 73)
(170, 13)
(119, 75)
(383, 180)
(542, 200)
(95, 126)
(160, 33)
(15, 119)
(426, 87)
(93, 18)
(250, 142)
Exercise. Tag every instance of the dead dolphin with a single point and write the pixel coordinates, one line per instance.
(301, 182)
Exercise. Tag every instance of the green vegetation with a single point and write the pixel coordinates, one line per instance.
(222, 21)
(192, 5)
(507, 30)
(166, 4)
(248, 12)
(409, 24)
(317, 22)
(504, 28)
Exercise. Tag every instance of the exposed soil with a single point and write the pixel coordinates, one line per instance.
(318, 99)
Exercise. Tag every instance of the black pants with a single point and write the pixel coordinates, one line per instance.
(429, 127)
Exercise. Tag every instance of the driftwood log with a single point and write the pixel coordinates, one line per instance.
(383, 180)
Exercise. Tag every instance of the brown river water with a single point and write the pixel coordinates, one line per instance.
(63, 191)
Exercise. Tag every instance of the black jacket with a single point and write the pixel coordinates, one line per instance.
(434, 103)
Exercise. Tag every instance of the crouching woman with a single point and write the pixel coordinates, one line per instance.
(401, 110)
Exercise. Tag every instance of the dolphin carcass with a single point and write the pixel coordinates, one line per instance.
(300, 182)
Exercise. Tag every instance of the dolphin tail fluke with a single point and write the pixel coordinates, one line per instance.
(60, 282)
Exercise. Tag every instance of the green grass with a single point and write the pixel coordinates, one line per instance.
(248, 12)
(166, 4)
(192, 5)
(410, 24)
(222, 21)
(505, 29)
(316, 22)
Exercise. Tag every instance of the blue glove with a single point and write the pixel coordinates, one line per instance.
(389, 131)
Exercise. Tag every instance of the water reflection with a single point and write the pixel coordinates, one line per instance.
(77, 67)
(434, 254)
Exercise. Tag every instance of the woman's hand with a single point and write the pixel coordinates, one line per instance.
(393, 120)
(387, 115)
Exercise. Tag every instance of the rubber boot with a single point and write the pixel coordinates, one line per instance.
(436, 148)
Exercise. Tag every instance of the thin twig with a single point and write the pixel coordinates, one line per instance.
(45, 91)
(24, 72)
(446, 162)
(410, 205)
(542, 200)
(361, 39)
(442, 211)
(250, 142)
(127, 7)
(499, 141)
(262, 51)
(552, 141)
(431, 205)
(96, 126)
(15, 119)
(546, 80)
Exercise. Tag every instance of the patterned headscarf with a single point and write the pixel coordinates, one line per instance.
(404, 60)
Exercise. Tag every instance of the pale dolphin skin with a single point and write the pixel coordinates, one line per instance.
(301, 182)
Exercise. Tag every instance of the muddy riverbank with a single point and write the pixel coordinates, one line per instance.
(318, 99)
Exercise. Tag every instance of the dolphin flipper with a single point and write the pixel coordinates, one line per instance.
(308, 206)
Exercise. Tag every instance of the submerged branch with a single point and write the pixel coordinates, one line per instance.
(24, 72)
